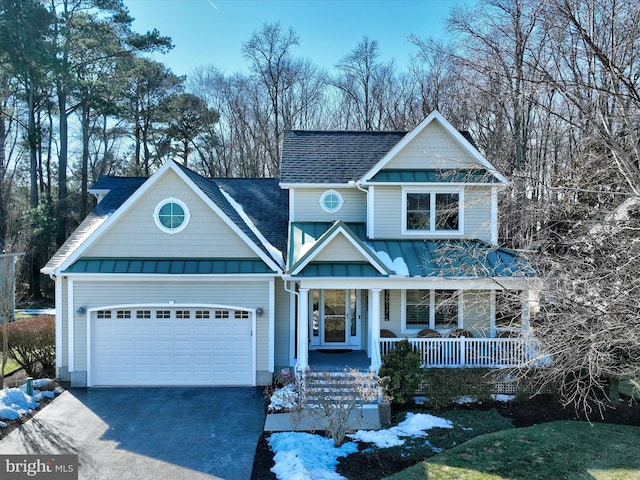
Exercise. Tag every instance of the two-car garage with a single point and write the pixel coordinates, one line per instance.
(171, 345)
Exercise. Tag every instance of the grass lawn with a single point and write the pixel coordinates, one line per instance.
(11, 366)
(557, 450)
(630, 387)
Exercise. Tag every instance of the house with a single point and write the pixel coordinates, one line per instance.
(178, 279)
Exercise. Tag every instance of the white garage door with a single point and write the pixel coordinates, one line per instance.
(178, 346)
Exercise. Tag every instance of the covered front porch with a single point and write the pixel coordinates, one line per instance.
(466, 327)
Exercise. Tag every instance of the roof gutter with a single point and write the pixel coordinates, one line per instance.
(370, 219)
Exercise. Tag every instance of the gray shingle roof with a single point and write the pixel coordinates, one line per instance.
(263, 201)
(120, 188)
(332, 156)
(251, 206)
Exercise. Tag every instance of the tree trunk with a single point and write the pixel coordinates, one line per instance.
(85, 162)
(33, 154)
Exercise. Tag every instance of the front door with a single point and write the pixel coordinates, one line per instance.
(336, 318)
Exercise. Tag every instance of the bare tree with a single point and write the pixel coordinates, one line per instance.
(269, 53)
(360, 78)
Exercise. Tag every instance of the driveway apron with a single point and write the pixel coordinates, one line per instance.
(148, 433)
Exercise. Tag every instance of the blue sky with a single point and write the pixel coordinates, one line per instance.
(207, 32)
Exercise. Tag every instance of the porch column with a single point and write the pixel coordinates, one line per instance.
(303, 329)
(529, 300)
(376, 361)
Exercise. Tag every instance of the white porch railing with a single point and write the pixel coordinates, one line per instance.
(468, 352)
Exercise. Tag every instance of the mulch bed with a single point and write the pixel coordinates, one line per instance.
(522, 413)
(15, 379)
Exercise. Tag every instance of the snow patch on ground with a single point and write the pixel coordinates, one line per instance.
(415, 425)
(283, 398)
(503, 398)
(14, 402)
(305, 456)
(302, 456)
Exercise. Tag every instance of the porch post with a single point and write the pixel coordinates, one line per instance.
(303, 329)
(376, 361)
(529, 298)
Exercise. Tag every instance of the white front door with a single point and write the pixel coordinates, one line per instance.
(335, 318)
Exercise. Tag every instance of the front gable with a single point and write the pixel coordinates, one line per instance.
(215, 226)
(136, 233)
(337, 245)
(434, 152)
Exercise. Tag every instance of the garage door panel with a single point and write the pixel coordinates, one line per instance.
(185, 351)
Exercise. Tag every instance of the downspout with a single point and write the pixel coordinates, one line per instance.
(369, 222)
(295, 343)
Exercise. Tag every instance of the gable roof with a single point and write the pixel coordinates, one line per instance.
(305, 255)
(444, 258)
(339, 157)
(123, 191)
(264, 202)
(119, 190)
(457, 137)
(332, 157)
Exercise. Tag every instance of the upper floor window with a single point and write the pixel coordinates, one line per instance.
(435, 212)
(171, 215)
(331, 201)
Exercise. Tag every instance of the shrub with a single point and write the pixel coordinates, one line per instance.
(331, 397)
(32, 344)
(401, 371)
(445, 385)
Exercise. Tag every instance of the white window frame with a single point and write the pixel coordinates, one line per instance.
(325, 195)
(432, 312)
(177, 201)
(433, 191)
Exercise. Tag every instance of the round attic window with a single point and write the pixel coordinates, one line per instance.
(331, 201)
(171, 215)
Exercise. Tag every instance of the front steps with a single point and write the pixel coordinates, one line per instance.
(350, 387)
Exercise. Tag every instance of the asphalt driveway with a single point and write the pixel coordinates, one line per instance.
(148, 433)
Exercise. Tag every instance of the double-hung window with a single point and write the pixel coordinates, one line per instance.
(437, 212)
(437, 309)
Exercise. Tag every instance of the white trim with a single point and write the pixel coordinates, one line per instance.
(59, 323)
(291, 206)
(492, 313)
(292, 326)
(132, 306)
(186, 277)
(287, 186)
(371, 213)
(161, 226)
(432, 232)
(70, 328)
(303, 329)
(415, 283)
(324, 196)
(494, 216)
(272, 324)
(432, 311)
(367, 254)
(457, 136)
